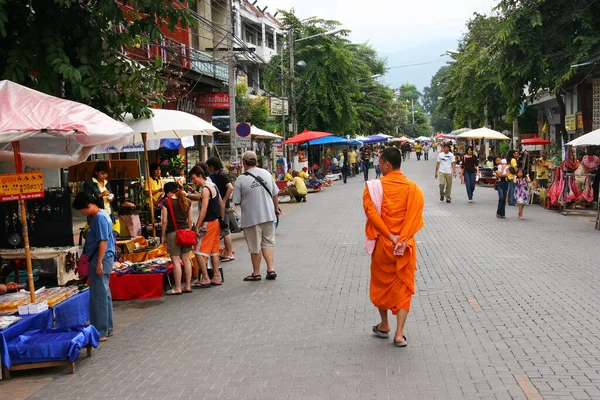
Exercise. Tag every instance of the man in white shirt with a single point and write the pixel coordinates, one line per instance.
(256, 192)
(426, 151)
(445, 169)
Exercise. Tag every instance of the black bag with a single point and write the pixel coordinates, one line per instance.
(512, 171)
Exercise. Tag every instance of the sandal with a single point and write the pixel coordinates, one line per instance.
(271, 275)
(215, 283)
(227, 259)
(186, 291)
(201, 285)
(252, 277)
(402, 343)
(172, 292)
(381, 334)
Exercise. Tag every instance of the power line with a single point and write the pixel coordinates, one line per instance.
(417, 64)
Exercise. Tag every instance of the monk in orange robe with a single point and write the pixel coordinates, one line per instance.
(391, 231)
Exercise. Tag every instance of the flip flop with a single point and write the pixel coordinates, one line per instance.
(216, 284)
(403, 343)
(172, 293)
(187, 291)
(252, 278)
(379, 333)
(227, 259)
(201, 285)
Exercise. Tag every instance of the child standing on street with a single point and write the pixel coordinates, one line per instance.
(521, 190)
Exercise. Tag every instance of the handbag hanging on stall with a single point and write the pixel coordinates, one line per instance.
(184, 237)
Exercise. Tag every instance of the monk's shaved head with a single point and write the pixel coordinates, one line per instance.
(393, 156)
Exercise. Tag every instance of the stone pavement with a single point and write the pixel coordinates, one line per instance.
(505, 309)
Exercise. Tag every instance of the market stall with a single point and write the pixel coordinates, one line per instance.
(140, 280)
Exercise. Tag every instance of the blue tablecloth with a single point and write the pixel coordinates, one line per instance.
(42, 320)
(55, 344)
(73, 311)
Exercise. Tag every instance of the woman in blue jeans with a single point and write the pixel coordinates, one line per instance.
(469, 168)
(100, 247)
(501, 186)
(345, 163)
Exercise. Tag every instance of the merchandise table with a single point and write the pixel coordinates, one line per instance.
(44, 253)
(160, 251)
(137, 286)
(42, 320)
(73, 311)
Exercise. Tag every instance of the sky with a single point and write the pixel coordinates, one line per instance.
(406, 32)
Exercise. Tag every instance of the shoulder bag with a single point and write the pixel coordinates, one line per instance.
(83, 264)
(262, 183)
(184, 237)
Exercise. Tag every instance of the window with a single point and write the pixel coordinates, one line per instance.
(270, 41)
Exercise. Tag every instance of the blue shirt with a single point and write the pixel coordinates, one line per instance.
(100, 229)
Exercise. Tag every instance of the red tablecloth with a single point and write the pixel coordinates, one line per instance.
(136, 286)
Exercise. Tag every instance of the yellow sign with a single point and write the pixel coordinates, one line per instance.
(579, 121)
(24, 186)
(571, 122)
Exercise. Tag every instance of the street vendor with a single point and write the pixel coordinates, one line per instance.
(542, 166)
(155, 183)
(99, 188)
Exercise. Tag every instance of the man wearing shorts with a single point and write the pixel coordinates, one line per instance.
(256, 192)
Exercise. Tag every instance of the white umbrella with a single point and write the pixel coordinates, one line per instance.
(166, 124)
(483, 133)
(461, 130)
(589, 139)
(423, 138)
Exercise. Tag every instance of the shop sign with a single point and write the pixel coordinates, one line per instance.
(276, 106)
(571, 122)
(189, 106)
(213, 100)
(579, 121)
(23, 186)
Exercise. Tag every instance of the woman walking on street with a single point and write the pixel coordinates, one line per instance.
(501, 186)
(513, 167)
(521, 190)
(469, 168)
(376, 163)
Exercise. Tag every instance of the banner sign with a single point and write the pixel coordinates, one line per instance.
(213, 100)
(24, 186)
(571, 122)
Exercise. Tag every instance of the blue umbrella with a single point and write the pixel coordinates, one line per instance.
(329, 140)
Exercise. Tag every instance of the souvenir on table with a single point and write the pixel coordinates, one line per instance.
(7, 320)
(9, 304)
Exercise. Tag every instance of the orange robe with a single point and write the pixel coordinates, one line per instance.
(393, 277)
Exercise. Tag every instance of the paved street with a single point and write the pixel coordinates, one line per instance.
(505, 309)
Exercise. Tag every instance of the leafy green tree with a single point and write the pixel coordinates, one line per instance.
(441, 120)
(537, 44)
(71, 49)
(252, 110)
(471, 89)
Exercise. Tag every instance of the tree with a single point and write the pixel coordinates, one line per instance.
(71, 49)
(255, 111)
(471, 91)
(538, 43)
(441, 120)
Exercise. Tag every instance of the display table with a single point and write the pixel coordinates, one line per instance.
(52, 347)
(42, 320)
(136, 286)
(129, 246)
(160, 251)
(45, 253)
(73, 311)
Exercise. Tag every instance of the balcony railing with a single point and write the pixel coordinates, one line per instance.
(207, 65)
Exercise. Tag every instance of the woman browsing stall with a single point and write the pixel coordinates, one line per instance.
(178, 214)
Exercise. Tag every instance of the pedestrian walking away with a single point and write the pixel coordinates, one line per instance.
(501, 186)
(445, 169)
(352, 159)
(215, 166)
(521, 190)
(100, 248)
(469, 169)
(394, 209)
(256, 192)
(345, 163)
(426, 151)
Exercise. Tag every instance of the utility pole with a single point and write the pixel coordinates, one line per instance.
(283, 110)
(232, 80)
(413, 115)
(292, 86)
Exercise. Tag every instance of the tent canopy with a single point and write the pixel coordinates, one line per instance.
(373, 139)
(589, 139)
(306, 136)
(52, 132)
(483, 133)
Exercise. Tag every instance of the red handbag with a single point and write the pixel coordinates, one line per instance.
(184, 237)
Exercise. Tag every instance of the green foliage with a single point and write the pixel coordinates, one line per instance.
(441, 120)
(71, 49)
(470, 89)
(255, 110)
(538, 43)
(335, 92)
